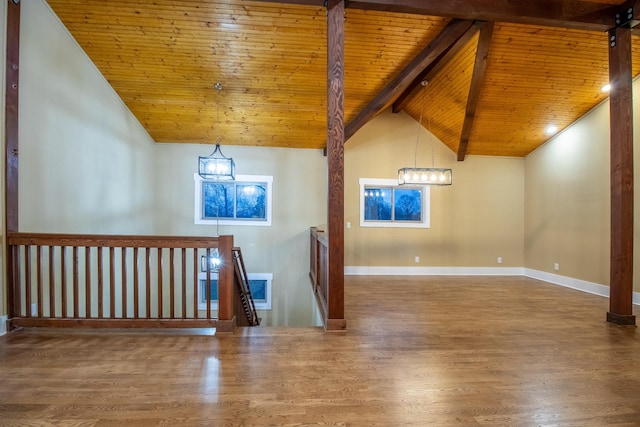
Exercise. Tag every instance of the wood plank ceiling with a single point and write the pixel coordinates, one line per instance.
(163, 58)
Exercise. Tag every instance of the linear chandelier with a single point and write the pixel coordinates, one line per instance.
(424, 176)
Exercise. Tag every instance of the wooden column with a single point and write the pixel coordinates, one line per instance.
(335, 157)
(11, 150)
(226, 316)
(11, 112)
(621, 119)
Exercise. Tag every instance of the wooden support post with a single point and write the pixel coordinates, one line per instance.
(621, 119)
(11, 151)
(226, 316)
(11, 119)
(335, 157)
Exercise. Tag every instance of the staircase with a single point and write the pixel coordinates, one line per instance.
(244, 291)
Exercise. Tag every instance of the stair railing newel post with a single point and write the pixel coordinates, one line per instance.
(226, 315)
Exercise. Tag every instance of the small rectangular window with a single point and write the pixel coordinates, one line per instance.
(383, 203)
(260, 284)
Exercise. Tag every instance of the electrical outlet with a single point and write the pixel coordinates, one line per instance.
(499, 260)
(556, 266)
(417, 259)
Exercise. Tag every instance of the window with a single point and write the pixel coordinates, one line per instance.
(383, 203)
(245, 201)
(260, 284)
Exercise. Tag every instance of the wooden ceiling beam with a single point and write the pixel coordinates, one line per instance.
(436, 66)
(579, 14)
(484, 41)
(447, 37)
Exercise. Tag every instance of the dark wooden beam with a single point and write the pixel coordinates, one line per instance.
(397, 85)
(577, 14)
(621, 119)
(11, 115)
(435, 67)
(11, 152)
(335, 158)
(484, 41)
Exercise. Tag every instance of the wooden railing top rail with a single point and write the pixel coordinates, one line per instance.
(95, 240)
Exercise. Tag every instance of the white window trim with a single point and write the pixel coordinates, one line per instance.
(260, 304)
(240, 178)
(426, 215)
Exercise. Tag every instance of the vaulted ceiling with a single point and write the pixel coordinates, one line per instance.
(498, 72)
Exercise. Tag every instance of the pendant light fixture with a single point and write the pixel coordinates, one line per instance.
(216, 165)
(424, 176)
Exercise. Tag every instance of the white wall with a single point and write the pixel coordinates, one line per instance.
(86, 164)
(568, 200)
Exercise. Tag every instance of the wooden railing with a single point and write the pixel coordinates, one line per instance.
(244, 298)
(319, 269)
(118, 281)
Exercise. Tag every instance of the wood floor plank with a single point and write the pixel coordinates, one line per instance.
(437, 351)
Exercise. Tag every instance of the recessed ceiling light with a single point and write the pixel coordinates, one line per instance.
(551, 129)
(606, 88)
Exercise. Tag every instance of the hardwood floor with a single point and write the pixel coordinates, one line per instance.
(421, 351)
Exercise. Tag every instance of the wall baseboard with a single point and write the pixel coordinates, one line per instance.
(568, 282)
(433, 271)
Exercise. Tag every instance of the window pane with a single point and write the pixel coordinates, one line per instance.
(377, 204)
(408, 204)
(251, 200)
(214, 289)
(218, 199)
(258, 289)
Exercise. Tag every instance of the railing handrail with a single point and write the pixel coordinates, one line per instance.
(105, 240)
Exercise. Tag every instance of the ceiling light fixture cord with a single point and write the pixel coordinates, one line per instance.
(218, 87)
(415, 155)
(433, 156)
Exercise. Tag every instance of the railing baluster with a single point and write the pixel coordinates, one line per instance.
(63, 279)
(112, 285)
(160, 285)
(39, 278)
(207, 298)
(135, 284)
(184, 283)
(14, 288)
(172, 283)
(87, 281)
(27, 278)
(52, 285)
(123, 255)
(195, 284)
(76, 292)
(148, 280)
(100, 285)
